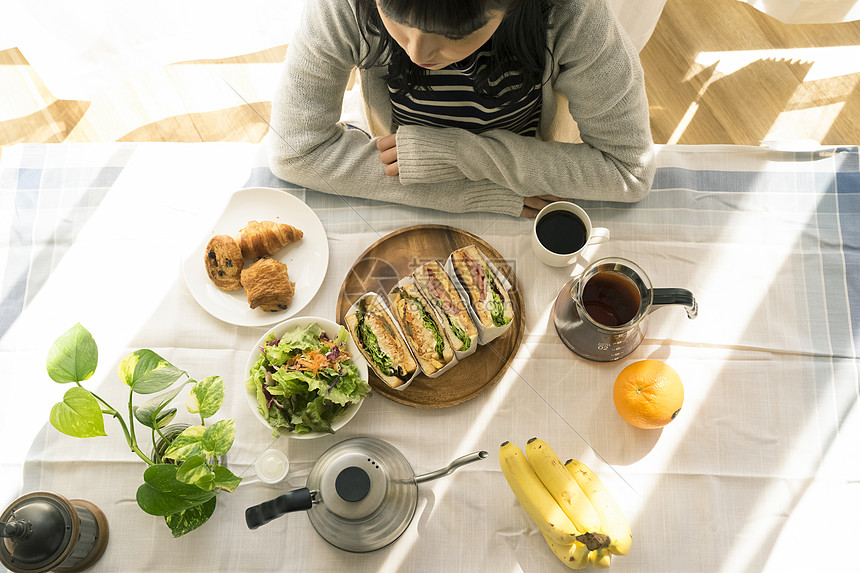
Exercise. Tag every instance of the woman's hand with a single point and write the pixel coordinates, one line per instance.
(533, 205)
(387, 147)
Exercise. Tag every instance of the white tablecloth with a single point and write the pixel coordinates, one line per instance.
(764, 454)
(83, 48)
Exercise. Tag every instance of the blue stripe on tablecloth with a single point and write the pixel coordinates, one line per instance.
(263, 177)
(63, 197)
(29, 178)
(848, 202)
(836, 221)
(82, 181)
(837, 218)
(14, 286)
(668, 178)
(843, 160)
(826, 258)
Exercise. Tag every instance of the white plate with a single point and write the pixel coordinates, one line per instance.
(331, 329)
(306, 260)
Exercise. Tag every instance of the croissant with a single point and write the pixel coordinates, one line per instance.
(262, 239)
(268, 286)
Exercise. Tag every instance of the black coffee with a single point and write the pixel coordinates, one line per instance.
(611, 298)
(561, 232)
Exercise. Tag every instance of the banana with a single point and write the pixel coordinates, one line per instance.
(534, 497)
(581, 553)
(571, 555)
(561, 485)
(600, 558)
(612, 520)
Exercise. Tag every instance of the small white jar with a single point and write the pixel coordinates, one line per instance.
(272, 466)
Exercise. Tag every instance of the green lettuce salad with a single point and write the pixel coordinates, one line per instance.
(304, 380)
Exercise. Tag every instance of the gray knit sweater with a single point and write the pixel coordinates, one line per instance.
(595, 85)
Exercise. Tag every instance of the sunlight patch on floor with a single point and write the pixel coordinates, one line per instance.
(21, 95)
(173, 91)
(826, 62)
(805, 105)
(818, 119)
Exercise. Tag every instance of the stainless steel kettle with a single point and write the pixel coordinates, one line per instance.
(360, 495)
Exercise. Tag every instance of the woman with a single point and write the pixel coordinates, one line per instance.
(471, 104)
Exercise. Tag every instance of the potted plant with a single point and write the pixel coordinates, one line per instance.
(181, 480)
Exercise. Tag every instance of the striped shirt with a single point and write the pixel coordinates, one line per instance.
(452, 101)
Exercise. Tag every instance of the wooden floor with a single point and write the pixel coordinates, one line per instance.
(717, 71)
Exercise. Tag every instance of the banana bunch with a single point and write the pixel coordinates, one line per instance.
(577, 516)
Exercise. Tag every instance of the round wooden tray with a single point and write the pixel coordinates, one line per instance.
(395, 256)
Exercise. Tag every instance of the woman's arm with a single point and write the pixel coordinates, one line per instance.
(307, 145)
(597, 69)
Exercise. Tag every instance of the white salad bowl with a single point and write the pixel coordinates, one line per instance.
(331, 329)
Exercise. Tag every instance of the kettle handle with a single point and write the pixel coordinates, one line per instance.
(296, 500)
(667, 296)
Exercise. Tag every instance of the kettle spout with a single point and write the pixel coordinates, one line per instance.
(449, 469)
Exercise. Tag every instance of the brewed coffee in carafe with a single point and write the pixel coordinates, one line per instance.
(611, 298)
(600, 315)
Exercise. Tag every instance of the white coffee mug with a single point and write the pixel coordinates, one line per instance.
(564, 236)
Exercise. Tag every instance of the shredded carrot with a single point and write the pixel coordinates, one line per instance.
(314, 361)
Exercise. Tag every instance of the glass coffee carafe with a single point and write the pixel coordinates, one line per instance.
(600, 315)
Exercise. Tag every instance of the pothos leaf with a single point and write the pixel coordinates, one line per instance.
(218, 438)
(209, 395)
(149, 413)
(163, 494)
(191, 518)
(73, 356)
(186, 444)
(78, 415)
(165, 417)
(147, 373)
(225, 479)
(195, 471)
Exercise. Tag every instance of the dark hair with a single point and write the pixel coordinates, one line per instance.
(519, 44)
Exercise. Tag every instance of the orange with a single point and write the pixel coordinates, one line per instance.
(648, 394)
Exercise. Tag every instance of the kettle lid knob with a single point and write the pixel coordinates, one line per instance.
(352, 484)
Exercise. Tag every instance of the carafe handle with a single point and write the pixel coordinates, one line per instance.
(667, 296)
(296, 500)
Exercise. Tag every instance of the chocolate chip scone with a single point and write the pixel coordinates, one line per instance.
(268, 286)
(224, 262)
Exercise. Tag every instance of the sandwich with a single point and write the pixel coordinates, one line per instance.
(487, 295)
(439, 290)
(423, 332)
(380, 341)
